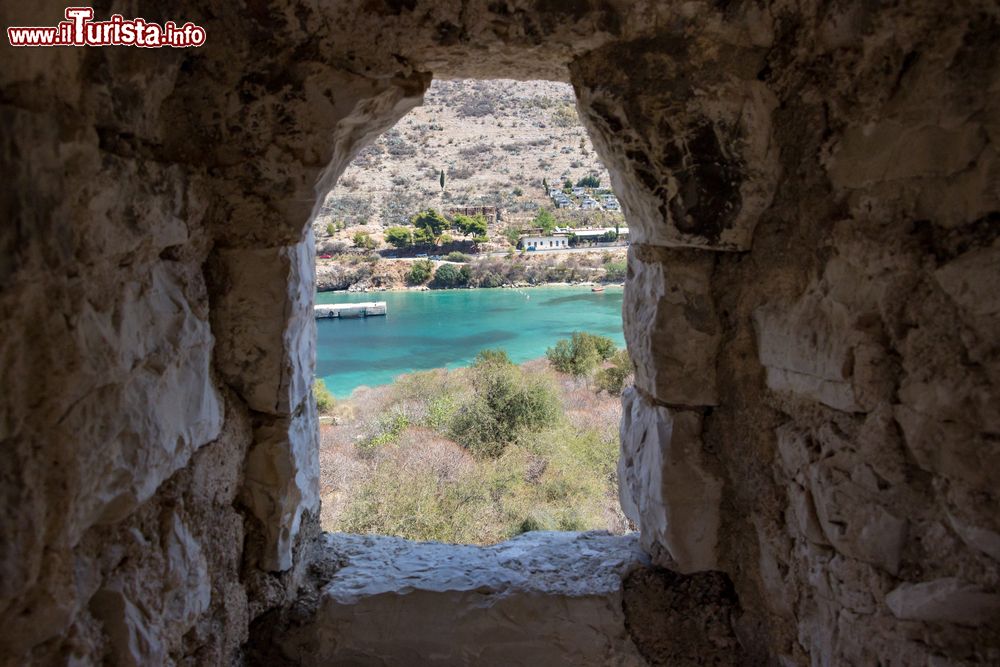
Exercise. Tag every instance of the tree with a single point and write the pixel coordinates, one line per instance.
(364, 240)
(613, 378)
(545, 185)
(581, 354)
(399, 237)
(471, 225)
(441, 178)
(324, 399)
(589, 181)
(506, 402)
(568, 185)
(449, 275)
(423, 236)
(331, 229)
(545, 220)
(431, 222)
(420, 272)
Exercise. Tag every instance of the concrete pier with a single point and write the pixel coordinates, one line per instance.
(366, 309)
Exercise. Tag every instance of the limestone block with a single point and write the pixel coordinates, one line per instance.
(159, 351)
(812, 349)
(703, 166)
(282, 481)
(971, 281)
(978, 537)
(670, 324)
(953, 448)
(131, 633)
(542, 598)
(853, 520)
(264, 323)
(664, 485)
(187, 587)
(947, 600)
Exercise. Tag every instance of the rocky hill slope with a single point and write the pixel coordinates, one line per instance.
(494, 140)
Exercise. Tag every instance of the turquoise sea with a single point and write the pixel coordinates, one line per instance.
(446, 328)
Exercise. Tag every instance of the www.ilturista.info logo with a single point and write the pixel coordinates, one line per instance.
(80, 30)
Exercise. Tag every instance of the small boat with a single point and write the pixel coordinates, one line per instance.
(597, 288)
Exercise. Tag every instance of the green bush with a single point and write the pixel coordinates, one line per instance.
(612, 379)
(399, 237)
(387, 431)
(458, 257)
(505, 403)
(581, 354)
(615, 270)
(364, 240)
(324, 399)
(448, 275)
(545, 220)
(420, 272)
(491, 279)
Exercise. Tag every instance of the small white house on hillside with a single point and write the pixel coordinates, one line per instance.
(544, 242)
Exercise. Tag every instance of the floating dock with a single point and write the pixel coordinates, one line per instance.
(366, 309)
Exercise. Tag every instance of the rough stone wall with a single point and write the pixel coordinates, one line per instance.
(837, 375)
(812, 307)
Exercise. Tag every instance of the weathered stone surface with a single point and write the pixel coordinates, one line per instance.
(670, 324)
(282, 481)
(947, 600)
(848, 151)
(665, 486)
(705, 167)
(265, 326)
(683, 620)
(541, 598)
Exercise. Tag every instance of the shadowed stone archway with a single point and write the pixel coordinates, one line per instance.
(811, 195)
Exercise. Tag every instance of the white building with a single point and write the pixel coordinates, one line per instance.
(589, 204)
(544, 242)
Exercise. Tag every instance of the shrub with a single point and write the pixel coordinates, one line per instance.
(399, 237)
(420, 272)
(505, 403)
(581, 354)
(588, 181)
(324, 399)
(491, 279)
(615, 270)
(458, 257)
(448, 275)
(545, 220)
(613, 378)
(364, 240)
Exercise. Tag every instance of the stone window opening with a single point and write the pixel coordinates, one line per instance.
(810, 191)
(378, 585)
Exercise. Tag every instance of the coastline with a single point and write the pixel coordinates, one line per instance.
(428, 288)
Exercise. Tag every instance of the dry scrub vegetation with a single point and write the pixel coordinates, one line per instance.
(474, 455)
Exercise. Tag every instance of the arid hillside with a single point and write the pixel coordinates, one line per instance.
(494, 140)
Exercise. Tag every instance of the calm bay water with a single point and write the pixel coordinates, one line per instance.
(446, 328)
